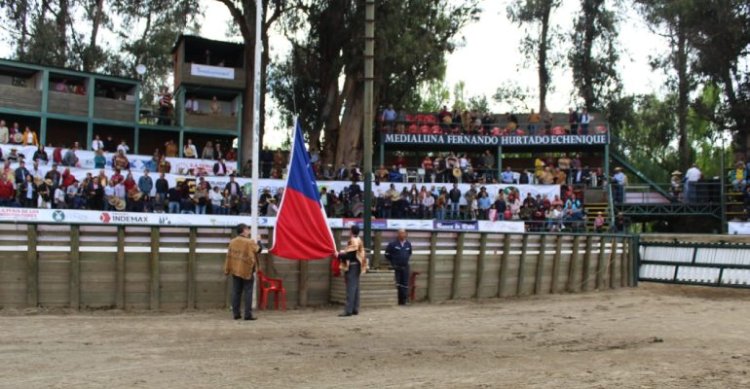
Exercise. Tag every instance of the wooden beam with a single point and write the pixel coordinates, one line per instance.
(522, 264)
(540, 265)
(457, 259)
(154, 273)
(303, 275)
(571, 286)
(556, 264)
(75, 267)
(377, 246)
(432, 265)
(191, 267)
(612, 267)
(624, 263)
(32, 267)
(480, 264)
(503, 276)
(600, 263)
(586, 264)
(120, 269)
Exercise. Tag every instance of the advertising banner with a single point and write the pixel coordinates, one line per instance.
(491, 140)
(212, 71)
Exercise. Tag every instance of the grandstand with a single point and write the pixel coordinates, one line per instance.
(543, 155)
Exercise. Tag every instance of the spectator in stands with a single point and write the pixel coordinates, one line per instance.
(428, 168)
(585, 120)
(4, 133)
(560, 177)
(215, 199)
(692, 176)
(162, 187)
(220, 168)
(573, 121)
(508, 177)
(389, 115)
(488, 161)
(173, 197)
(27, 192)
(29, 137)
(215, 106)
(14, 156)
(44, 192)
(738, 177)
(200, 198)
(99, 161)
(109, 144)
(21, 173)
(7, 192)
(189, 151)
(40, 155)
(218, 152)
(676, 184)
(120, 161)
(342, 174)
(395, 175)
(15, 134)
(59, 198)
(34, 170)
(191, 105)
(208, 151)
(454, 196)
(534, 120)
(123, 147)
(145, 185)
(619, 181)
(71, 159)
(599, 223)
(97, 143)
(443, 114)
(170, 149)
(165, 107)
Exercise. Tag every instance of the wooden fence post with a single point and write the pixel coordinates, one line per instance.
(32, 267)
(303, 273)
(457, 259)
(503, 266)
(432, 265)
(377, 244)
(75, 267)
(600, 263)
(120, 269)
(556, 264)
(540, 265)
(571, 285)
(612, 267)
(191, 267)
(154, 265)
(586, 264)
(522, 264)
(480, 263)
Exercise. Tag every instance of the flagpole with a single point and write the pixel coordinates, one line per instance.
(255, 192)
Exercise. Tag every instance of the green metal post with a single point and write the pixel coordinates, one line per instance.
(137, 119)
(722, 193)
(238, 132)
(180, 141)
(45, 105)
(499, 162)
(382, 152)
(369, 57)
(180, 103)
(90, 124)
(608, 180)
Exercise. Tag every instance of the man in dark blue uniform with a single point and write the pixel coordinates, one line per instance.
(398, 253)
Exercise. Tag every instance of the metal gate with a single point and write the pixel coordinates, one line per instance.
(695, 260)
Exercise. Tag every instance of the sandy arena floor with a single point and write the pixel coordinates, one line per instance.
(655, 336)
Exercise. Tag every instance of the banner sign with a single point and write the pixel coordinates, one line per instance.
(69, 216)
(377, 224)
(458, 225)
(137, 162)
(739, 228)
(212, 71)
(490, 140)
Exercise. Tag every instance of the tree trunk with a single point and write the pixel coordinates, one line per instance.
(246, 146)
(88, 64)
(350, 134)
(683, 89)
(61, 21)
(542, 58)
(590, 10)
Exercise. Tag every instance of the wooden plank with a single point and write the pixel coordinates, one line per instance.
(191, 268)
(154, 267)
(612, 267)
(480, 264)
(376, 250)
(432, 269)
(303, 275)
(75, 267)
(521, 263)
(32, 267)
(540, 265)
(571, 286)
(503, 276)
(624, 262)
(120, 269)
(556, 264)
(586, 264)
(457, 259)
(600, 263)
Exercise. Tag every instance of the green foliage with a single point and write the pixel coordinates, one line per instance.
(513, 96)
(435, 94)
(479, 104)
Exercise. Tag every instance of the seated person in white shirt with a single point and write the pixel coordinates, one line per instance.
(191, 105)
(124, 147)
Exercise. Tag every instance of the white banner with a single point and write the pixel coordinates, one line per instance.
(739, 228)
(137, 162)
(212, 71)
(68, 216)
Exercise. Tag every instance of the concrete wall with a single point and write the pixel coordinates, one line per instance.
(174, 268)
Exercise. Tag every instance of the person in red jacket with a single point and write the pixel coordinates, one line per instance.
(57, 155)
(7, 193)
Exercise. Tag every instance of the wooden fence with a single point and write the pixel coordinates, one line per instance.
(174, 268)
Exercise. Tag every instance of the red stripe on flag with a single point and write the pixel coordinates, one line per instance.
(301, 230)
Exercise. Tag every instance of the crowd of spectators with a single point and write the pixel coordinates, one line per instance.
(458, 121)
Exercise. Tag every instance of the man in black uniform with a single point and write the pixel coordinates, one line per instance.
(398, 253)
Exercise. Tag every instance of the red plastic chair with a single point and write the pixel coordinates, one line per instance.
(413, 285)
(271, 285)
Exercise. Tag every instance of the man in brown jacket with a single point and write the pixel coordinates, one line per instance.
(241, 263)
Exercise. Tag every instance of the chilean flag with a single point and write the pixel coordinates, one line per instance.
(302, 230)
